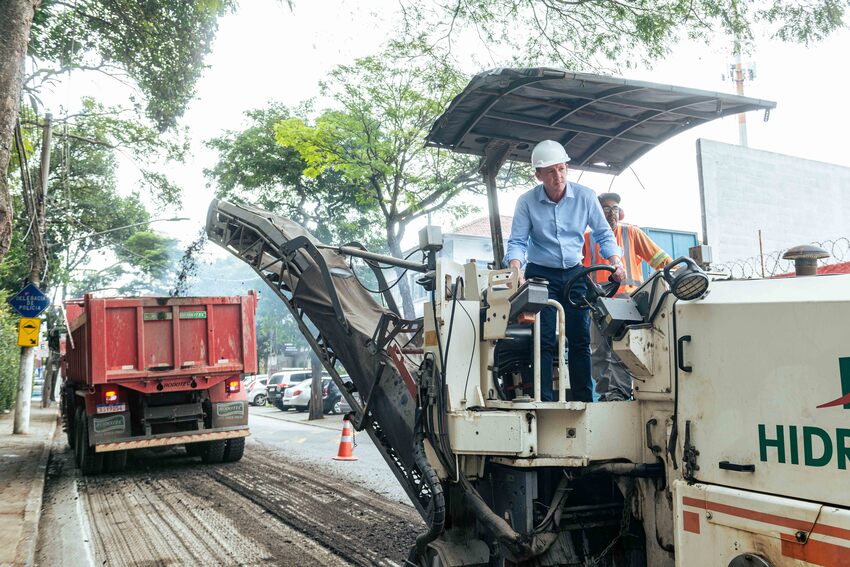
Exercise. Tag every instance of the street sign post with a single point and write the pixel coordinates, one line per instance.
(30, 301)
(28, 328)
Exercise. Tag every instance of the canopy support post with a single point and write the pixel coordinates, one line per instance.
(495, 155)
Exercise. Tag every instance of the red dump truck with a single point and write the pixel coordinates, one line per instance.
(156, 371)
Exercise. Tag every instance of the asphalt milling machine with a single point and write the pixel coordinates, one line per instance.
(735, 448)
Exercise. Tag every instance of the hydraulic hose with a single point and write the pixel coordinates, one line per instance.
(520, 546)
(438, 499)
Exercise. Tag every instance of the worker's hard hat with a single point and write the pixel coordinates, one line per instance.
(609, 197)
(548, 152)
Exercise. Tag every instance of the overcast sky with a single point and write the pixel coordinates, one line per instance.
(267, 52)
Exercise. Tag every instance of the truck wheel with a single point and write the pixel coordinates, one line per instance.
(213, 451)
(78, 431)
(194, 449)
(234, 450)
(91, 463)
(115, 461)
(70, 426)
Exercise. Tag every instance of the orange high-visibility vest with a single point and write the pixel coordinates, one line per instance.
(636, 246)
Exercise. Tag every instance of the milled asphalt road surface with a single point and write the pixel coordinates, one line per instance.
(285, 503)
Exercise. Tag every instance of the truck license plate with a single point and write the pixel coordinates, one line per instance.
(111, 408)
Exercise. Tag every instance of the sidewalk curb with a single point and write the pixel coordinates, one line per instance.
(300, 422)
(25, 552)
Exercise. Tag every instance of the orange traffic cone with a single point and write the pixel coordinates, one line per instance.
(346, 443)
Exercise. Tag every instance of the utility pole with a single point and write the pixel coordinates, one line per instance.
(739, 88)
(738, 73)
(39, 261)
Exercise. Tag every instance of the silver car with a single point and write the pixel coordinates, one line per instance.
(255, 389)
(298, 395)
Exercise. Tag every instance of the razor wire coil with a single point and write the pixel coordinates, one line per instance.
(774, 265)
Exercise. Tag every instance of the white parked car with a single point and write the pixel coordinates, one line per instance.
(281, 380)
(255, 389)
(298, 395)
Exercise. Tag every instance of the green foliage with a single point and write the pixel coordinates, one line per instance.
(147, 251)
(374, 138)
(158, 44)
(600, 34)
(86, 217)
(253, 168)
(10, 355)
(122, 130)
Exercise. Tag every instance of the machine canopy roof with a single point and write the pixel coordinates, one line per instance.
(605, 123)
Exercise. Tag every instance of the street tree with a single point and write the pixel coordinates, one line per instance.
(610, 34)
(252, 168)
(87, 220)
(374, 139)
(155, 47)
(15, 22)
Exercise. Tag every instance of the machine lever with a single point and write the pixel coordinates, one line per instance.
(727, 466)
(680, 353)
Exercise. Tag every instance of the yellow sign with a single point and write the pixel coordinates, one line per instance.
(28, 331)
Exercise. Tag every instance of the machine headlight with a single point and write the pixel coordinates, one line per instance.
(688, 281)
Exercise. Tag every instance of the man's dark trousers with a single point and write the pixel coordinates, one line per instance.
(578, 333)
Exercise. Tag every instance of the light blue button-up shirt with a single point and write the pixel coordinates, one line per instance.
(552, 234)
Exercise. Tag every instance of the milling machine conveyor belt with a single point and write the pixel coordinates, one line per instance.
(319, 289)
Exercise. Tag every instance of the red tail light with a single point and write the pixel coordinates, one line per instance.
(296, 393)
(110, 396)
(232, 385)
(325, 391)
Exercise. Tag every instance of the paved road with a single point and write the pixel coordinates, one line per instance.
(286, 503)
(315, 443)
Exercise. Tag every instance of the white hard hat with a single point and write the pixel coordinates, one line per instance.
(548, 152)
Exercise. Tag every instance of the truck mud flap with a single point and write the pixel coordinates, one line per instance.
(107, 427)
(228, 414)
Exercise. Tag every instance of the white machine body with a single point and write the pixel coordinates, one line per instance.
(737, 394)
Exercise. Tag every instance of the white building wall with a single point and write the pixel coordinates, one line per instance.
(792, 200)
(464, 248)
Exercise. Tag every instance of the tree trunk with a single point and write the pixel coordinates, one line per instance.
(316, 390)
(49, 373)
(15, 23)
(404, 285)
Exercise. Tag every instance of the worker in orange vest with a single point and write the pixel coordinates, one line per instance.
(613, 379)
(636, 245)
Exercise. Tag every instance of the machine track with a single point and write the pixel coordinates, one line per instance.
(264, 510)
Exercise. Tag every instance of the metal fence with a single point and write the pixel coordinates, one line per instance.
(772, 264)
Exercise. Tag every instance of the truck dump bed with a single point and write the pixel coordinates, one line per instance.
(119, 340)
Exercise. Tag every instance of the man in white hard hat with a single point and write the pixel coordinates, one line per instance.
(548, 233)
